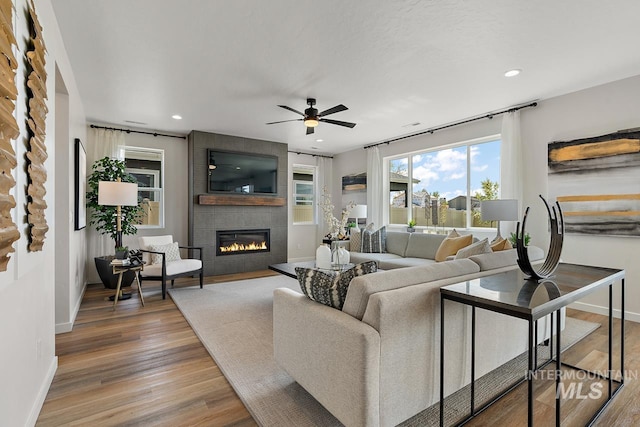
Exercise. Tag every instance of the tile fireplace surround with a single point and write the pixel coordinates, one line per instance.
(206, 219)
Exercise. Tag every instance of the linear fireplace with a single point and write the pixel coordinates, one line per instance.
(234, 242)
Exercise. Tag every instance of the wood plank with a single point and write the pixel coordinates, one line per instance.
(240, 200)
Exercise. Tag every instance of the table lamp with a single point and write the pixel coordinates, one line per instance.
(359, 211)
(499, 210)
(117, 193)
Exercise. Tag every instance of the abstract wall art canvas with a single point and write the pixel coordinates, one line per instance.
(597, 183)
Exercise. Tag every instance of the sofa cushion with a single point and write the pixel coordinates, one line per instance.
(357, 257)
(506, 258)
(396, 242)
(173, 267)
(391, 263)
(477, 248)
(451, 246)
(330, 287)
(423, 245)
(501, 245)
(374, 241)
(362, 287)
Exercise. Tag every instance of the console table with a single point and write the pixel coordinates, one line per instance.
(510, 293)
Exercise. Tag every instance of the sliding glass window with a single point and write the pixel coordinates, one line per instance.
(443, 187)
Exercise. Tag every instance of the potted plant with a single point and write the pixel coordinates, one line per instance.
(103, 217)
(122, 252)
(512, 239)
(411, 226)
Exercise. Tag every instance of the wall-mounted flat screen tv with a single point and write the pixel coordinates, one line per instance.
(243, 173)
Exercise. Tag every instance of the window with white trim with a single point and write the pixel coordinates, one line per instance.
(443, 187)
(304, 198)
(146, 165)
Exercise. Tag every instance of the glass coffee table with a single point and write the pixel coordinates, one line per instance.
(289, 268)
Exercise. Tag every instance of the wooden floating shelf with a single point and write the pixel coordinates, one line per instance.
(240, 200)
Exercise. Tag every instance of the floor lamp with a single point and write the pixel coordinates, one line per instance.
(117, 193)
(499, 210)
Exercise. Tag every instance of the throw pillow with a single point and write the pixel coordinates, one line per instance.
(355, 240)
(454, 233)
(171, 251)
(330, 287)
(451, 246)
(501, 245)
(477, 248)
(374, 241)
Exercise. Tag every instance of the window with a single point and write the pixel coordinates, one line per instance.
(304, 199)
(146, 165)
(444, 187)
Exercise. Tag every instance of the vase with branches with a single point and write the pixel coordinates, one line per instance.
(337, 227)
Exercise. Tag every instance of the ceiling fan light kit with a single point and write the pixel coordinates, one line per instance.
(311, 118)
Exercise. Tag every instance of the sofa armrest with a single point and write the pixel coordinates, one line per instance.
(326, 350)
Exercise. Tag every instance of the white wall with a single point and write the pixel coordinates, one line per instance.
(301, 238)
(591, 112)
(27, 288)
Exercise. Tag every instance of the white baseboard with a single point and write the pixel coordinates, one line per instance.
(591, 308)
(62, 328)
(42, 393)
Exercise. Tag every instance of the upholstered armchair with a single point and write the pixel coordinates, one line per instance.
(163, 261)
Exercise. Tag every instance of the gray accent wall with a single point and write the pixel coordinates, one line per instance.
(204, 220)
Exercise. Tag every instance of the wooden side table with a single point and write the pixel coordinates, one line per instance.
(120, 270)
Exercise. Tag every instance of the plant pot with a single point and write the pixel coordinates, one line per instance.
(411, 229)
(105, 271)
(121, 254)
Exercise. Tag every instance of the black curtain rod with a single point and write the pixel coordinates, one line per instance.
(138, 131)
(309, 154)
(462, 122)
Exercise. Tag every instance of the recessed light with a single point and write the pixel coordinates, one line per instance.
(176, 117)
(319, 140)
(512, 73)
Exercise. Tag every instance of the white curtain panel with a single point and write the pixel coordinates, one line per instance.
(325, 180)
(374, 187)
(110, 144)
(511, 166)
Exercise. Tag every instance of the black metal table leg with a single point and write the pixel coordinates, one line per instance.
(441, 361)
(558, 364)
(532, 369)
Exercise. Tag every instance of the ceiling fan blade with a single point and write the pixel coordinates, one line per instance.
(283, 121)
(339, 123)
(309, 131)
(332, 110)
(291, 109)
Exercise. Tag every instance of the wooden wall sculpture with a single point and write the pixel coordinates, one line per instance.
(37, 154)
(8, 130)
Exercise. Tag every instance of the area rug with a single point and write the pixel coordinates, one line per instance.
(234, 321)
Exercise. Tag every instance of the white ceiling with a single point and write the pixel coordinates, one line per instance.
(224, 66)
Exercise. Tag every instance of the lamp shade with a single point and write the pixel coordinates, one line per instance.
(112, 193)
(359, 211)
(499, 210)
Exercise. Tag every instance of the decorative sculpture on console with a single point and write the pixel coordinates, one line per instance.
(555, 246)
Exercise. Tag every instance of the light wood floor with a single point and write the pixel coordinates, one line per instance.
(145, 366)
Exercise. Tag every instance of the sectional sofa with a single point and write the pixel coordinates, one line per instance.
(376, 361)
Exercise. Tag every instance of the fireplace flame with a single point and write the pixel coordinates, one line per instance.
(241, 247)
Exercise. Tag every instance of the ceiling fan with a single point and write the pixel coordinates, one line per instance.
(312, 118)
